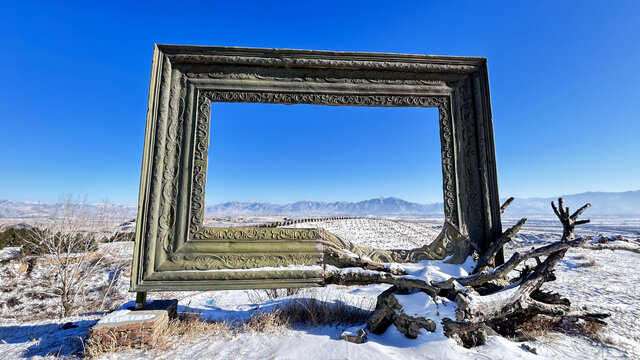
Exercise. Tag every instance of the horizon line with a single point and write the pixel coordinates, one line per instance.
(319, 201)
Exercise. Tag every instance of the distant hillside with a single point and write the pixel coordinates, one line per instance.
(619, 204)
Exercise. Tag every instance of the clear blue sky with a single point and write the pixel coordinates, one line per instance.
(564, 89)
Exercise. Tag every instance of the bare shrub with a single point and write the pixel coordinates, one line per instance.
(118, 268)
(68, 244)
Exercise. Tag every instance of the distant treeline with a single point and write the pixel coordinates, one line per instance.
(298, 221)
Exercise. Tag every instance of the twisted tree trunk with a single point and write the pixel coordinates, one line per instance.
(487, 300)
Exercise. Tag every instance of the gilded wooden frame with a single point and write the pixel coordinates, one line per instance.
(174, 251)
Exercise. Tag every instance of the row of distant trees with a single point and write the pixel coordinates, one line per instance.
(297, 221)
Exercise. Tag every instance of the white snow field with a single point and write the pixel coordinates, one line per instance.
(605, 285)
(380, 233)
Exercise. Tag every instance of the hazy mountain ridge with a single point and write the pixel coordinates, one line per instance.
(625, 203)
(10, 209)
(603, 204)
(380, 206)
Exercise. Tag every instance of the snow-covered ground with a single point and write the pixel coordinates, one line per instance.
(607, 286)
(381, 233)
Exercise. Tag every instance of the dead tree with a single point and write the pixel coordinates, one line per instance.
(490, 299)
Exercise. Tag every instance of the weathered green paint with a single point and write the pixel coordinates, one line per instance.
(173, 251)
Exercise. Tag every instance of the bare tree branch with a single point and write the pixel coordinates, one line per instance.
(506, 204)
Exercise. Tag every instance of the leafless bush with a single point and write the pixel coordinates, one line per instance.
(118, 267)
(68, 244)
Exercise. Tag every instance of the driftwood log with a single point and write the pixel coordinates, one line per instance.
(490, 300)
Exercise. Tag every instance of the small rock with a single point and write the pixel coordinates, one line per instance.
(354, 335)
(68, 325)
(529, 349)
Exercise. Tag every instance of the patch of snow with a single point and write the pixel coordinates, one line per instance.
(124, 315)
(9, 252)
(439, 270)
(380, 233)
(475, 300)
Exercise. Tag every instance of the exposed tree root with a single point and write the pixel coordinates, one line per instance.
(489, 300)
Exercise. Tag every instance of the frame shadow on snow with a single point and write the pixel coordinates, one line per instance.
(58, 339)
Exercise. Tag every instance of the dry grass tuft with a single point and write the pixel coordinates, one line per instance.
(542, 326)
(189, 327)
(265, 322)
(538, 326)
(593, 329)
(313, 312)
(589, 263)
(93, 350)
(306, 312)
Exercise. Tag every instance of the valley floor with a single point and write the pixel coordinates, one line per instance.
(602, 280)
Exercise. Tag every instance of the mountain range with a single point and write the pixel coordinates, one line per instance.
(603, 204)
(380, 206)
(10, 209)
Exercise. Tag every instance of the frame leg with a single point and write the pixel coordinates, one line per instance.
(141, 300)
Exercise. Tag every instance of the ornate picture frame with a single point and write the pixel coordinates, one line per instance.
(174, 251)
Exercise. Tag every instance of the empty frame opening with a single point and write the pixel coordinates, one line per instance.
(269, 154)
